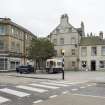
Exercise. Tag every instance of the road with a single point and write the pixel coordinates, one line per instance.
(29, 91)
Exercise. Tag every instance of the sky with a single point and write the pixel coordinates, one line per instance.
(42, 16)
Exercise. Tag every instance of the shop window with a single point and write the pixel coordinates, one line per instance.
(12, 65)
(3, 64)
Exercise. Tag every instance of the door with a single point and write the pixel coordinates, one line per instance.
(93, 65)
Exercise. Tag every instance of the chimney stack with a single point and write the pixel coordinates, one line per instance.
(64, 19)
(101, 35)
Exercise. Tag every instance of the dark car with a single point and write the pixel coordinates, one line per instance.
(25, 69)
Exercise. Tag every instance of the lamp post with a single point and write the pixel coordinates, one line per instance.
(63, 51)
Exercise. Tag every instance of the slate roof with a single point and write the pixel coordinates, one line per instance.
(91, 40)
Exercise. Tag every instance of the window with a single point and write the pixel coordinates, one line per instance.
(73, 51)
(72, 40)
(12, 64)
(59, 63)
(73, 63)
(18, 47)
(55, 41)
(26, 36)
(61, 40)
(16, 32)
(12, 30)
(1, 44)
(102, 64)
(2, 29)
(3, 64)
(93, 51)
(83, 51)
(13, 45)
(103, 50)
(55, 52)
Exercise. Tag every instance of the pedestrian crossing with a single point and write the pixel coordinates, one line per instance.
(14, 92)
(32, 89)
(55, 84)
(2, 99)
(45, 86)
(39, 87)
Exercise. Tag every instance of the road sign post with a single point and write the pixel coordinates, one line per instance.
(63, 74)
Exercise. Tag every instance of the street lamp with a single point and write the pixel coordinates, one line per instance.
(63, 52)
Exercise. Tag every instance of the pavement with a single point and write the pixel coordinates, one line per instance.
(97, 76)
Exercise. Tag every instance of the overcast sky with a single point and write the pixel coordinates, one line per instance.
(42, 16)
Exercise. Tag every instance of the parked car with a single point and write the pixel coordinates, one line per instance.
(25, 69)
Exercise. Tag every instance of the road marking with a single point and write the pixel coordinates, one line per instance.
(92, 84)
(74, 83)
(65, 92)
(37, 101)
(2, 99)
(68, 82)
(32, 89)
(53, 96)
(60, 81)
(89, 96)
(45, 86)
(89, 85)
(14, 92)
(74, 89)
(55, 84)
(82, 87)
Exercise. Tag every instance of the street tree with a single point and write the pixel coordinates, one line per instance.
(40, 49)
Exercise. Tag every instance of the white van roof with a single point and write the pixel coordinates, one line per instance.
(54, 59)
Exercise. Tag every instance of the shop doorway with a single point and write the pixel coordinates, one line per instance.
(93, 65)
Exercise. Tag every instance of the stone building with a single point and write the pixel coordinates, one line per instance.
(81, 52)
(92, 53)
(14, 40)
(67, 37)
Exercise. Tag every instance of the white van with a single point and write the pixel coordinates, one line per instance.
(54, 65)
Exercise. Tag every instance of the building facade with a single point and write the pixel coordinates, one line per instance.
(81, 52)
(14, 41)
(92, 53)
(67, 37)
